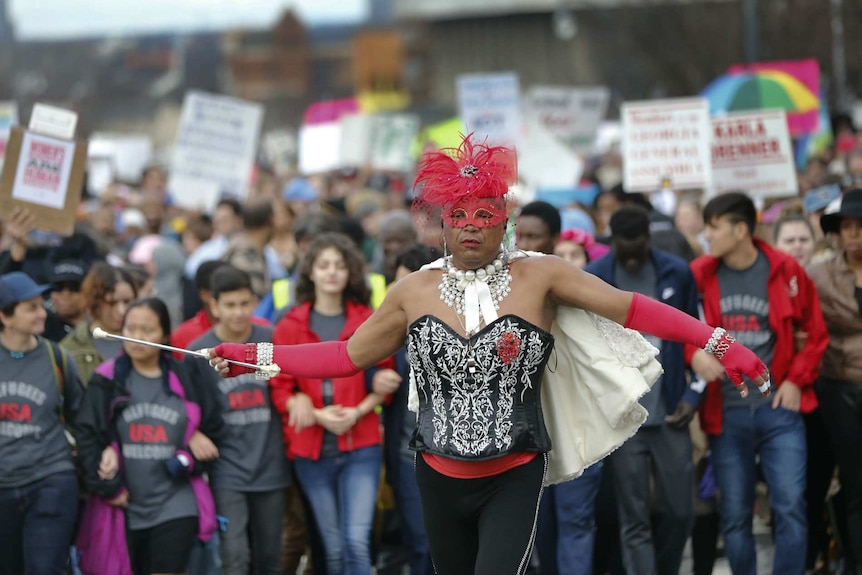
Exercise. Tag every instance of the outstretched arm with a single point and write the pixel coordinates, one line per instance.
(379, 337)
(572, 286)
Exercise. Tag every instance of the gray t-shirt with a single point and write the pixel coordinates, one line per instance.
(745, 316)
(150, 430)
(328, 328)
(251, 452)
(643, 282)
(33, 444)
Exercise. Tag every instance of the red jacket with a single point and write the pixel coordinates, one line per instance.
(793, 306)
(295, 328)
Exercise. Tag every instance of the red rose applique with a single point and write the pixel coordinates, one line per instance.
(508, 346)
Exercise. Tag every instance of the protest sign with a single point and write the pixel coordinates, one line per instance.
(44, 175)
(53, 121)
(8, 118)
(280, 149)
(392, 136)
(544, 162)
(572, 115)
(490, 107)
(751, 151)
(214, 151)
(327, 111)
(319, 148)
(355, 140)
(666, 140)
(383, 142)
(128, 154)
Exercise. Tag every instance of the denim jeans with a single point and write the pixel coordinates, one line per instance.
(566, 527)
(37, 522)
(255, 518)
(342, 491)
(205, 559)
(778, 436)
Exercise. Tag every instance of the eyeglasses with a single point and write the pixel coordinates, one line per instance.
(73, 287)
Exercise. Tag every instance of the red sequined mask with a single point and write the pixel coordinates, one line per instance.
(477, 212)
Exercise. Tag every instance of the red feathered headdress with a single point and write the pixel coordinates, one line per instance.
(471, 170)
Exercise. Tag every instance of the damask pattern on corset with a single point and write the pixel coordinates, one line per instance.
(471, 413)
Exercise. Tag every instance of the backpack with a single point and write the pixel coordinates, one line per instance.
(61, 372)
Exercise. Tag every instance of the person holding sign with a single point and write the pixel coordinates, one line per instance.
(477, 325)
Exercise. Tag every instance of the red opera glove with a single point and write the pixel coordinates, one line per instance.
(666, 322)
(327, 359)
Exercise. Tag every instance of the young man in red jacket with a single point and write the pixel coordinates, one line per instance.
(761, 297)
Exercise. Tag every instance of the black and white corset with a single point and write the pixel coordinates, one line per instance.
(479, 398)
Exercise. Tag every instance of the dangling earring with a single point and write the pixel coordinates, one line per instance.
(445, 248)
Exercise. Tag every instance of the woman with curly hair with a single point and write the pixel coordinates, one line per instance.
(107, 291)
(330, 426)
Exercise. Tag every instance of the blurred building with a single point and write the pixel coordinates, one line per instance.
(641, 48)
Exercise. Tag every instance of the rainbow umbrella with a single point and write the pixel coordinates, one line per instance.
(757, 91)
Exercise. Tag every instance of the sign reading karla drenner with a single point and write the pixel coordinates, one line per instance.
(751, 151)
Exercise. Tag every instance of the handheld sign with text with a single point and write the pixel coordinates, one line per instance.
(44, 170)
(381, 141)
(490, 106)
(666, 140)
(545, 162)
(573, 115)
(751, 151)
(214, 151)
(391, 138)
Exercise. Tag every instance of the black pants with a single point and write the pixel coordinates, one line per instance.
(821, 465)
(165, 548)
(481, 526)
(841, 405)
(654, 542)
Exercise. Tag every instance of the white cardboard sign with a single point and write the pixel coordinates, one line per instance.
(666, 139)
(319, 148)
(43, 172)
(392, 139)
(751, 152)
(215, 149)
(53, 121)
(490, 106)
(355, 138)
(545, 162)
(573, 115)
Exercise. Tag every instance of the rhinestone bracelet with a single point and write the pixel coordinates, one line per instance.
(264, 357)
(712, 344)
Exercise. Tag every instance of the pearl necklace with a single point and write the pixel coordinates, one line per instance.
(493, 280)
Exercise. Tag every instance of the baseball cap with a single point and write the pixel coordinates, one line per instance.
(68, 271)
(820, 198)
(18, 286)
(299, 190)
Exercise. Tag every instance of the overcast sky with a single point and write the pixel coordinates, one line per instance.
(74, 18)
